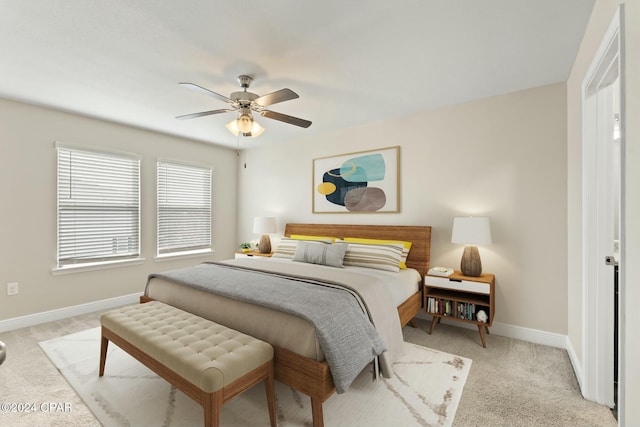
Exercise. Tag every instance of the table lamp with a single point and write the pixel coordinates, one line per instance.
(471, 231)
(264, 225)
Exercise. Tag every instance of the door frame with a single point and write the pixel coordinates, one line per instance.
(597, 229)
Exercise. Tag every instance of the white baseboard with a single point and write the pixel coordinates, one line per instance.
(532, 335)
(516, 332)
(575, 362)
(63, 313)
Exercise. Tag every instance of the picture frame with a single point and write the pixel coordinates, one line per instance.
(359, 182)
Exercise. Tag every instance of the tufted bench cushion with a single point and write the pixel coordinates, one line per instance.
(205, 354)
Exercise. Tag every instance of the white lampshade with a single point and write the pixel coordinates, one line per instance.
(471, 231)
(264, 225)
(237, 126)
(245, 123)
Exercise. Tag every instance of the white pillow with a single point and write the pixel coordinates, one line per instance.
(321, 253)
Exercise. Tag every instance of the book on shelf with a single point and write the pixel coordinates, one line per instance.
(440, 306)
(452, 308)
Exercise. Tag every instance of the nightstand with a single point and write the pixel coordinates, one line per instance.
(252, 254)
(460, 298)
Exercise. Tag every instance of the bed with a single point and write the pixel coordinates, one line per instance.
(299, 359)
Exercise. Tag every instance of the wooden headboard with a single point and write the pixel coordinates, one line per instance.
(420, 236)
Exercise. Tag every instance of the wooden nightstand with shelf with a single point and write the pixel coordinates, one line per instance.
(460, 298)
(252, 254)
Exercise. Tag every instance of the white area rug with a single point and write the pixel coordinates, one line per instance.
(424, 392)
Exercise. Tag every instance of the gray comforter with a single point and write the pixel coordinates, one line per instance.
(340, 316)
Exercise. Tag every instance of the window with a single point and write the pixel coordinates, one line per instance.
(184, 209)
(98, 206)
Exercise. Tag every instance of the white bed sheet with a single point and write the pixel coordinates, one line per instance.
(401, 285)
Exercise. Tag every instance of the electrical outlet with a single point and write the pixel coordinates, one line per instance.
(12, 288)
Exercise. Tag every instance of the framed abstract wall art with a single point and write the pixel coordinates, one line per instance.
(362, 182)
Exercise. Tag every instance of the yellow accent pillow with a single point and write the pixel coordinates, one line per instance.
(319, 238)
(405, 250)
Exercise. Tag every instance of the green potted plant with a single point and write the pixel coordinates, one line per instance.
(245, 247)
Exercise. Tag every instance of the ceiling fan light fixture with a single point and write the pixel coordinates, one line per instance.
(245, 123)
(233, 127)
(254, 130)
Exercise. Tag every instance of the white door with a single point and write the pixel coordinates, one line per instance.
(601, 177)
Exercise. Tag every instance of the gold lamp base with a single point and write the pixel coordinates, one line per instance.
(264, 246)
(470, 265)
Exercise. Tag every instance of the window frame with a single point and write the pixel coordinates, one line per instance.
(163, 253)
(128, 201)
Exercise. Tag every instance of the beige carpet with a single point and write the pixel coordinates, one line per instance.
(511, 382)
(424, 391)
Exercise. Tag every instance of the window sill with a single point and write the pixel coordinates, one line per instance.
(181, 255)
(79, 268)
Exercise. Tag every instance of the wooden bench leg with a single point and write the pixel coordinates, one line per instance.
(316, 412)
(271, 395)
(212, 406)
(104, 343)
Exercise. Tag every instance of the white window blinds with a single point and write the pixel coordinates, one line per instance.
(184, 208)
(98, 206)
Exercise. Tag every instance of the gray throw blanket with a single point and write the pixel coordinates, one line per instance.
(347, 337)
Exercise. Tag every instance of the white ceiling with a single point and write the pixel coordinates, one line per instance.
(351, 62)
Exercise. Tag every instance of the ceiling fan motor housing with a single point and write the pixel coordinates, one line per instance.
(243, 98)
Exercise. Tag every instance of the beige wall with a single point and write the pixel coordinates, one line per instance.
(28, 206)
(503, 157)
(602, 15)
(631, 279)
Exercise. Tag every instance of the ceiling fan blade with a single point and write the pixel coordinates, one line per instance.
(203, 113)
(285, 118)
(275, 97)
(206, 91)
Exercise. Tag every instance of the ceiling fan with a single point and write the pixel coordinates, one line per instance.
(247, 103)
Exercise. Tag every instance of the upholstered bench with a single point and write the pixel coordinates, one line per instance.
(209, 362)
